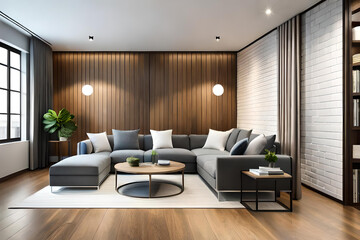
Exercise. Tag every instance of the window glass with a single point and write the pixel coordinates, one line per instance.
(3, 55)
(14, 102)
(15, 60)
(15, 79)
(3, 126)
(3, 77)
(15, 126)
(3, 101)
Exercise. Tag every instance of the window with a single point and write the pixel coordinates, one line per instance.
(10, 96)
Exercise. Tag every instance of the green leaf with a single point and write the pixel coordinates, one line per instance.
(53, 113)
(49, 116)
(53, 129)
(64, 115)
(49, 122)
(70, 125)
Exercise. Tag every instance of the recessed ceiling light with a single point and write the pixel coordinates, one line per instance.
(268, 11)
(91, 38)
(217, 38)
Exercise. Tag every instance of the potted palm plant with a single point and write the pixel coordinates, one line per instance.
(63, 123)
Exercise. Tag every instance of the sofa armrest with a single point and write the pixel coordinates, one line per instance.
(228, 168)
(84, 147)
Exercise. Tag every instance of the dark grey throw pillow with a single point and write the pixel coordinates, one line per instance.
(232, 139)
(270, 143)
(240, 147)
(243, 134)
(126, 139)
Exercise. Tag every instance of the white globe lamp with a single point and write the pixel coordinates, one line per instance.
(87, 90)
(218, 90)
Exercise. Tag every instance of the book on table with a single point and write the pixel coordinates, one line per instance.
(267, 171)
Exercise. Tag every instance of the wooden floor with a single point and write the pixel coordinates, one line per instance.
(314, 217)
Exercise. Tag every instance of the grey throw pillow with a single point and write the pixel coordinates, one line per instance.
(244, 134)
(256, 146)
(240, 147)
(270, 143)
(232, 139)
(126, 139)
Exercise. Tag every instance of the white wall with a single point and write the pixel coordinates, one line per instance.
(257, 86)
(14, 157)
(14, 37)
(321, 98)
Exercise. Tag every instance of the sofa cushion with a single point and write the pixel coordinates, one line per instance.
(244, 134)
(82, 165)
(100, 142)
(240, 147)
(181, 141)
(270, 143)
(208, 163)
(197, 141)
(173, 154)
(161, 139)
(178, 141)
(119, 156)
(126, 139)
(256, 146)
(208, 151)
(217, 139)
(232, 139)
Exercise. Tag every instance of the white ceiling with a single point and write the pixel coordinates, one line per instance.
(151, 25)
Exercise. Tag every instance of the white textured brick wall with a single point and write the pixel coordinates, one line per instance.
(321, 98)
(257, 85)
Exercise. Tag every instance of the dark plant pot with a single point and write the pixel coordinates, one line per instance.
(154, 159)
(271, 164)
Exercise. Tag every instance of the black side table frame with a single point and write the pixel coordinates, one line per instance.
(264, 178)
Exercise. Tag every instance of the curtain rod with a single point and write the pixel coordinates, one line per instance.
(23, 27)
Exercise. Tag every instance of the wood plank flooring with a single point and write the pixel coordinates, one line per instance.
(314, 217)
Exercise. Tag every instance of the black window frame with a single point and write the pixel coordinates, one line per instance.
(9, 90)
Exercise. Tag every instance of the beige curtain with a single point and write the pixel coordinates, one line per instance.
(289, 96)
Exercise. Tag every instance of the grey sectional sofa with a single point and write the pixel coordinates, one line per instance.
(220, 170)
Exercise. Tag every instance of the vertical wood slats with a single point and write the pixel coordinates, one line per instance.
(146, 90)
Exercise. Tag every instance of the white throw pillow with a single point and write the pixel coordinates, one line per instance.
(100, 142)
(256, 146)
(161, 139)
(217, 139)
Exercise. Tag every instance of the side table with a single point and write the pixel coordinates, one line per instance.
(271, 178)
(58, 143)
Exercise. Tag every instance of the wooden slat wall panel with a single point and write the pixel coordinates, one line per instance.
(181, 92)
(146, 90)
(121, 91)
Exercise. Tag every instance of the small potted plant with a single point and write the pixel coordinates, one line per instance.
(154, 157)
(271, 158)
(133, 161)
(62, 122)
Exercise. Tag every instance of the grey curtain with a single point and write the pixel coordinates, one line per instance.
(289, 96)
(41, 99)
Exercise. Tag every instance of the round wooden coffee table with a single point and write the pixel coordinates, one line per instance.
(151, 188)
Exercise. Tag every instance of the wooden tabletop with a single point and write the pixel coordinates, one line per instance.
(252, 175)
(148, 168)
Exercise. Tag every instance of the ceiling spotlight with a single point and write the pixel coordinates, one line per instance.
(268, 11)
(91, 38)
(217, 38)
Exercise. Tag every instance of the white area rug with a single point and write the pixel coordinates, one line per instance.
(196, 195)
